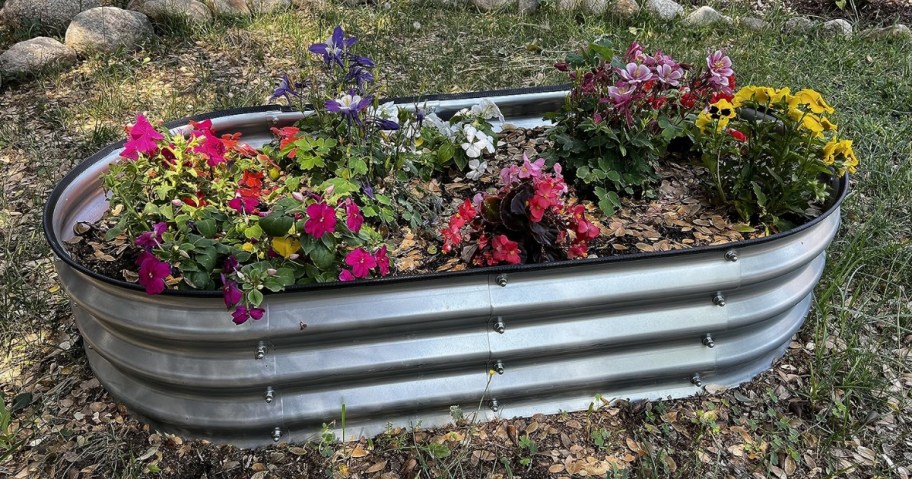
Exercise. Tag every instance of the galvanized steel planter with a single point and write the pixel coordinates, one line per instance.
(404, 350)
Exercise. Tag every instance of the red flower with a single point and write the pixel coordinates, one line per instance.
(353, 217)
(197, 202)
(361, 262)
(505, 250)
(322, 220)
(737, 135)
(658, 102)
(383, 261)
(586, 230)
(578, 250)
(289, 135)
(451, 237)
(152, 272)
(467, 210)
(688, 100)
(721, 96)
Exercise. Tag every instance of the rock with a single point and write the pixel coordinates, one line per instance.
(728, 20)
(624, 8)
(229, 8)
(189, 10)
(898, 32)
(702, 16)
(34, 56)
(753, 23)
(46, 15)
(664, 9)
(488, 5)
(596, 7)
(528, 6)
(268, 6)
(838, 27)
(105, 29)
(569, 5)
(798, 25)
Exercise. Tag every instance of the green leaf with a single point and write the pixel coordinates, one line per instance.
(758, 192)
(322, 257)
(21, 401)
(276, 224)
(358, 166)
(207, 228)
(253, 232)
(255, 297)
(206, 259)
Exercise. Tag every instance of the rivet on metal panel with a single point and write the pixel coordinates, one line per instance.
(499, 325)
(495, 406)
(719, 299)
(501, 280)
(498, 366)
(276, 434)
(270, 394)
(708, 341)
(731, 255)
(261, 351)
(696, 380)
(272, 120)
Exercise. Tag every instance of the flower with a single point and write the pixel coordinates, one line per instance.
(286, 246)
(211, 146)
(737, 135)
(322, 220)
(669, 75)
(505, 250)
(383, 261)
(719, 65)
(285, 89)
(346, 275)
(476, 142)
(621, 94)
(348, 105)
(143, 138)
(152, 239)
(152, 272)
(230, 292)
(842, 148)
(354, 219)
(486, 110)
(812, 100)
(477, 168)
(242, 314)
(635, 73)
(360, 75)
(244, 204)
(334, 48)
(531, 169)
(361, 262)
(231, 265)
(578, 249)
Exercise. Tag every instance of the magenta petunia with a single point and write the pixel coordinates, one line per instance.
(383, 261)
(143, 139)
(321, 220)
(242, 314)
(361, 262)
(230, 292)
(244, 204)
(152, 239)
(152, 273)
(346, 275)
(212, 146)
(231, 265)
(353, 217)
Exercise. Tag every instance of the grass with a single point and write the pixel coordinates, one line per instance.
(852, 367)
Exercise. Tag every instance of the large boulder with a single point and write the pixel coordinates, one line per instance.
(189, 10)
(33, 56)
(702, 16)
(107, 29)
(45, 15)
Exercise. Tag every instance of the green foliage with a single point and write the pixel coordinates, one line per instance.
(9, 441)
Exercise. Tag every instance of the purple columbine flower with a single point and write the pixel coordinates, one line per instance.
(348, 105)
(719, 64)
(360, 61)
(334, 48)
(634, 73)
(360, 75)
(151, 239)
(621, 94)
(635, 52)
(285, 89)
(669, 75)
(367, 189)
(384, 124)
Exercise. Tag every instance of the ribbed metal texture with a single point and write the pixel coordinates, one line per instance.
(404, 351)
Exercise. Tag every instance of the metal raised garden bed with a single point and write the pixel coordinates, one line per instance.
(403, 350)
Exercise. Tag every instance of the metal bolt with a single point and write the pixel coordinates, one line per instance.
(498, 366)
(501, 280)
(708, 341)
(270, 394)
(719, 299)
(731, 255)
(276, 434)
(696, 380)
(499, 325)
(261, 351)
(494, 405)
(273, 120)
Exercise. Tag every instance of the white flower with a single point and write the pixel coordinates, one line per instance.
(387, 111)
(477, 168)
(476, 142)
(445, 129)
(487, 110)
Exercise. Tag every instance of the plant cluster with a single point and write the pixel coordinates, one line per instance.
(526, 221)
(623, 112)
(773, 163)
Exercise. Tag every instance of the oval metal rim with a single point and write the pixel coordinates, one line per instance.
(63, 255)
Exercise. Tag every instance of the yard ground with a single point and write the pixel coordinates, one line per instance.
(837, 404)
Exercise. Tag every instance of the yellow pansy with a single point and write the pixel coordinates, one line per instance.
(756, 94)
(286, 246)
(812, 100)
(781, 94)
(248, 247)
(843, 148)
(812, 123)
(703, 119)
(827, 125)
(722, 109)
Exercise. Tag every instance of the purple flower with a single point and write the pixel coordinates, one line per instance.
(531, 169)
(635, 53)
(285, 89)
(367, 189)
(354, 219)
(668, 74)
(621, 94)
(360, 75)
(230, 292)
(348, 105)
(361, 61)
(384, 124)
(231, 265)
(151, 239)
(334, 48)
(242, 314)
(719, 64)
(634, 73)
(346, 275)
(152, 272)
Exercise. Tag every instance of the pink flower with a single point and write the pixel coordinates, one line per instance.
(361, 262)
(531, 170)
(577, 250)
(505, 250)
(244, 204)
(621, 94)
(346, 275)
(152, 239)
(586, 230)
(354, 219)
(242, 314)
(152, 272)
(212, 146)
(669, 75)
(634, 73)
(230, 292)
(143, 138)
(322, 220)
(719, 65)
(509, 175)
(383, 261)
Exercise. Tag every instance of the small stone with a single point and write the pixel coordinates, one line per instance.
(488, 5)
(798, 25)
(596, 7)
(897, 32)
(528, 6)
(189, 10)
(45, 15)
(664, 9)
(34, 56)
(753, 23)
(624, 8)
(268, 6)
(569, 5)
(728, 20)
(838, 27)
(105, 29)
(702, 17)
(229, 8)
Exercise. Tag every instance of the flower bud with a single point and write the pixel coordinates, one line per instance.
(176, 202)
(294, 256)
(272, 272)
(297, 195)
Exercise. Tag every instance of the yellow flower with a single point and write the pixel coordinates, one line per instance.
(826, 124)
(812, 100)
(703, 119)
(248, 247)
(286, 246)
(843, 148)
(812, 123)
(756, 94)
(780, 95)
(722, 109)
